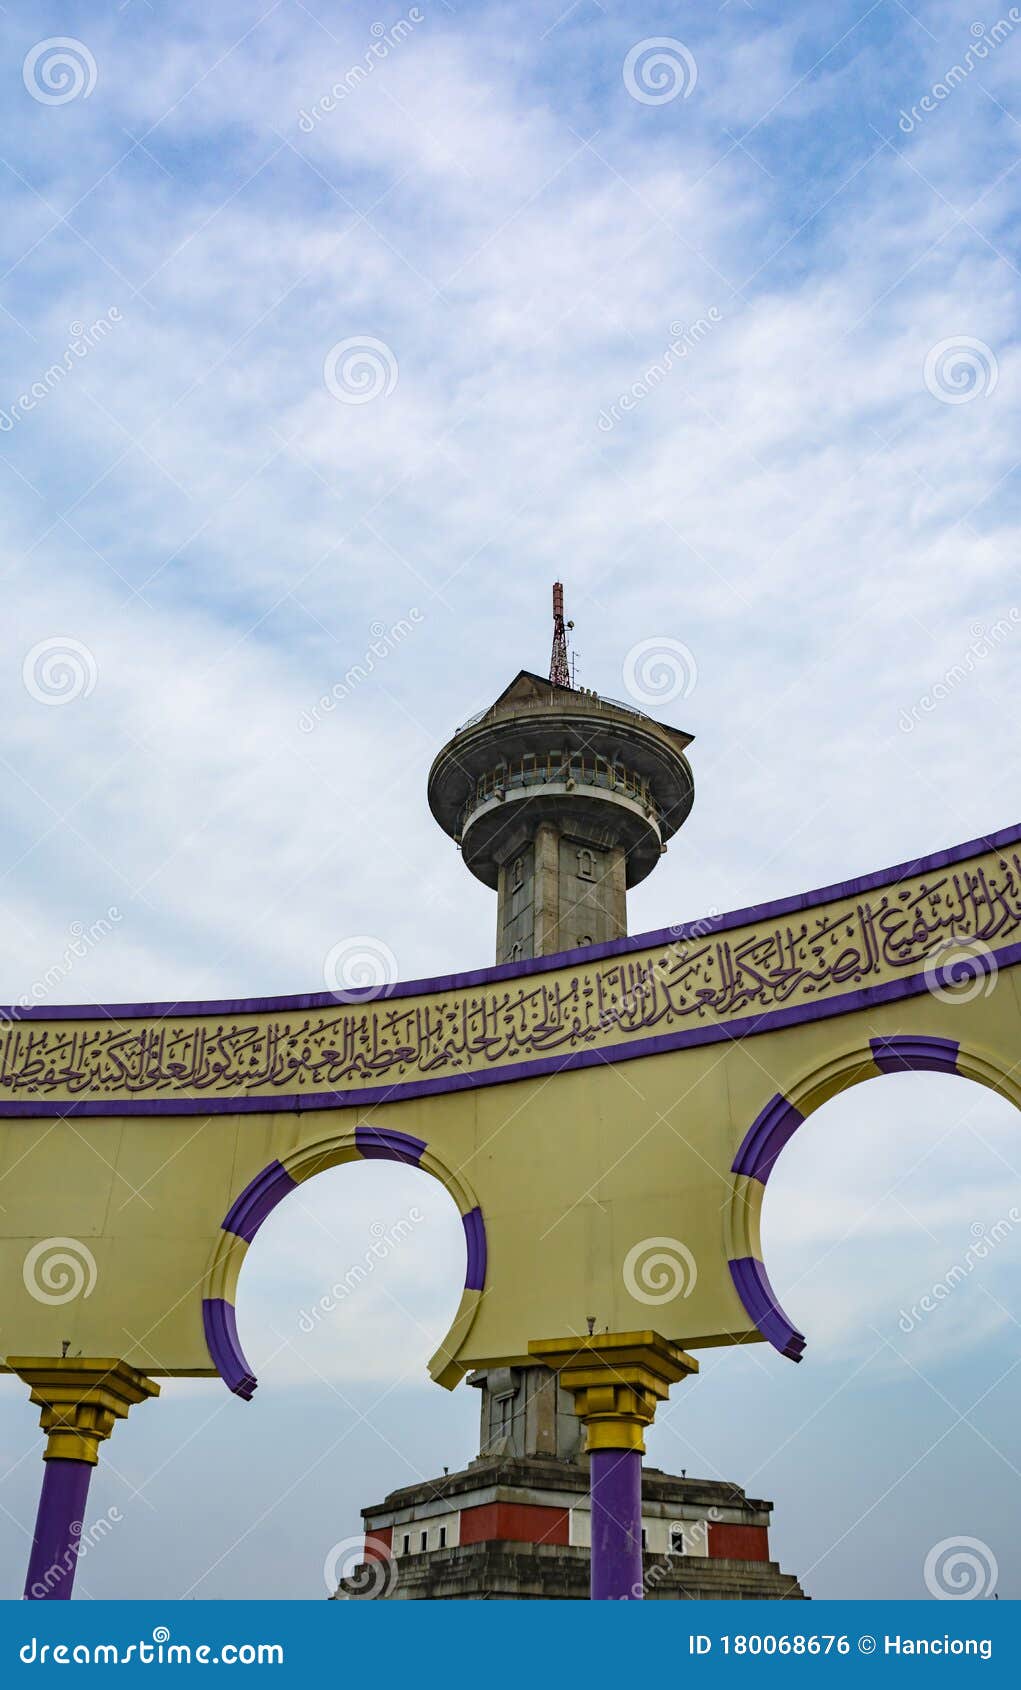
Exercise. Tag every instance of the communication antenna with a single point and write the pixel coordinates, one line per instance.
(560, 668)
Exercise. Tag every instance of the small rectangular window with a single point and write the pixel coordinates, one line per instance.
(425, 1542)
(645, 1538)
(443, 1537)
(407, 1544)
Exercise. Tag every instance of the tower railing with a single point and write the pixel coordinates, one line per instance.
(576, 767)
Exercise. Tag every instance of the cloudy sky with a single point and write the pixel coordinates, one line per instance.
(347, 373)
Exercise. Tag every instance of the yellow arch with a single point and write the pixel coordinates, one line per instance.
(775, 1126)
(275, 1181)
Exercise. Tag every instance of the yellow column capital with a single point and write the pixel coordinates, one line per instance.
(617, 1380)
(81, 1400)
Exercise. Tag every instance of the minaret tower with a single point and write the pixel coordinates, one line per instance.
(560, 800)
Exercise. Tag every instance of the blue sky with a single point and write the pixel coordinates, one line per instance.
(818, 500)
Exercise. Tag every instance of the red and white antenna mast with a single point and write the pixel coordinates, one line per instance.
(559, 668)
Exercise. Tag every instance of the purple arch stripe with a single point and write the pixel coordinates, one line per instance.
(752, 1285)
(384, 1144)
(771, 1129)
(219, 1319)
(475, 1238)
(895, 1055)
(221, 1328)
(259, 1197)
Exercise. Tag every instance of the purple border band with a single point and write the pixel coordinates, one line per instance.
(752, 1285)
(475, 1238)
(384, 1144)
(707, 927)
(717, 1032)
(259, 1197)
(220, 1323)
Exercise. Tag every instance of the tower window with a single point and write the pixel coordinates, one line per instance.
(425, 1542)
(443, 1537)
(407, 1544)
(586, 865)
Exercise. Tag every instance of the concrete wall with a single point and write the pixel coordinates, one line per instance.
(559, 890)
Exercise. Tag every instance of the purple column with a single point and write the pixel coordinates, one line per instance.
(616, 1480)
(58, 1528)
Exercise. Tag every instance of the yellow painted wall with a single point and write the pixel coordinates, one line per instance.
(573, 1170)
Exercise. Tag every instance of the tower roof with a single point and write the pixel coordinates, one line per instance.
(591, 774)
(531, 691)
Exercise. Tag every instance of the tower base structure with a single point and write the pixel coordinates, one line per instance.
(516, 1524)
(520, 1529)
